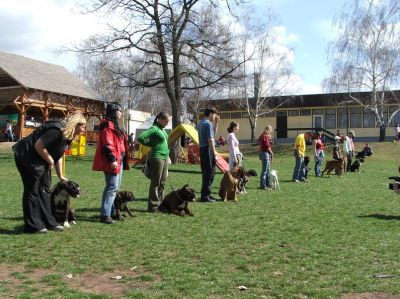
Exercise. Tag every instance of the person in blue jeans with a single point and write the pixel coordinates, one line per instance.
(207, 129)
(318, 153)
(111, 158)
(266, 155)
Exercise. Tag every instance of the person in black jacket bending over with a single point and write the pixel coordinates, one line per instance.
(35, 156)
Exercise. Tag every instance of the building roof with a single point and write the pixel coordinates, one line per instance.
(35, 74)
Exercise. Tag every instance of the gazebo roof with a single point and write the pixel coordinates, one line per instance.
(35, 74)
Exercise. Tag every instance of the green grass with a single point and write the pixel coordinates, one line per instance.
(319, 239)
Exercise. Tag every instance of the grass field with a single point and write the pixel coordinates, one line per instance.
(320, 239)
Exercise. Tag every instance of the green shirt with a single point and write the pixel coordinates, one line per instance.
(156, 138)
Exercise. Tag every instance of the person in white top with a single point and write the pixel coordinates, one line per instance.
(235, 156)
(348, 147)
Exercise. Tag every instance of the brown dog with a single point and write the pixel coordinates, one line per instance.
(229, 183)
(121, 204)
(177, 202)
(336, 165)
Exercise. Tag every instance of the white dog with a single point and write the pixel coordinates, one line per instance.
(273, 180)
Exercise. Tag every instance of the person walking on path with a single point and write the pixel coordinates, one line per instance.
(35, 156)
(299, 150)
(158, 159)
(265, 154)
(206, 130)
(111, 158)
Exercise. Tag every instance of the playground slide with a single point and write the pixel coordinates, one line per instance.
(222, 164)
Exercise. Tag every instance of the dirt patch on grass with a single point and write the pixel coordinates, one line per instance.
(15, 280)
(113, 283)
(370, 296)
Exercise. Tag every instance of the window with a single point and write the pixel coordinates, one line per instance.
(269, 114)
(245, 115)
(281, 113)
(355, 117)
(369, 119)
(225, 115)
(342, 118)
(293, 113)
(317, 111)
(236, 115)
(305, 112)
(396, 117)
(330, 118)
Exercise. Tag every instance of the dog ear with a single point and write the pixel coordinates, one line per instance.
(185, 186)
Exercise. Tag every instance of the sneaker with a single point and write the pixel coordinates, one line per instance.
(207, 199)
(42, 231)
(58, 228)
(304, 180)
(296, 181)
(213, 198)
(106, 219)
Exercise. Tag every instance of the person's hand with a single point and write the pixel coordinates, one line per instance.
(63, 178)
(51, 163)
(114, 165)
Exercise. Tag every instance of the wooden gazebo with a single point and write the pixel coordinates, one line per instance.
(42, 90)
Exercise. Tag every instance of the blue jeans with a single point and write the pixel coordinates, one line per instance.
(264, 177)
(318, 162)
(113, 182)
(207, 163)
(298, 172)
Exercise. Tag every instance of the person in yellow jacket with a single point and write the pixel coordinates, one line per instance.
(299, 153)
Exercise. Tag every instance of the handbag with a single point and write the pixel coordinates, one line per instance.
(146, 169)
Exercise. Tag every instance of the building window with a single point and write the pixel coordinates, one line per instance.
(293, 112)
(225, 115)
(355, 117)
(330, 118)
(305, 112)
(396, 117)
(281, 113)
(342, 118)
(245, 115)
(369, 119)
(330, 121)
(269, 114)
(236, 115)
(317, 111)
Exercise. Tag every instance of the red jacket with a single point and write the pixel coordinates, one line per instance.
(264, 143)
(110, 147)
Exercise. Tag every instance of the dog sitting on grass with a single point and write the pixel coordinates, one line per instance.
(177, 202)
(61, 204)
(121, 204)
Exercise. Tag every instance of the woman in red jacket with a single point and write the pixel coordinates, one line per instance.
(111, 158)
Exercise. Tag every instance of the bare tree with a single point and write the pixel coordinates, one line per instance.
(167, 35)
(366, 56)
(267, 71)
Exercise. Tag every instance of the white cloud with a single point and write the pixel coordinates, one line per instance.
(38, 28)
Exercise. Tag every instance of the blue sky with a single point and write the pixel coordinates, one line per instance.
(26, 31)
(310, 21)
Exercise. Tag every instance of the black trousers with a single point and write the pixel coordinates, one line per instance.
(207, 163)
(36, 203)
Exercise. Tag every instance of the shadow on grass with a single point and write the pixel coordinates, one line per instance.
(381, 216)
(184, 171)
(18, 230)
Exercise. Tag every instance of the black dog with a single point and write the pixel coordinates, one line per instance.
(306, 167)
(61, 204)
(243, 179)
(121, 204)
(360, 155)
(355, 167)
(177, 202)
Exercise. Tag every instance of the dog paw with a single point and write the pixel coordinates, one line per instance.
(66, 224)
